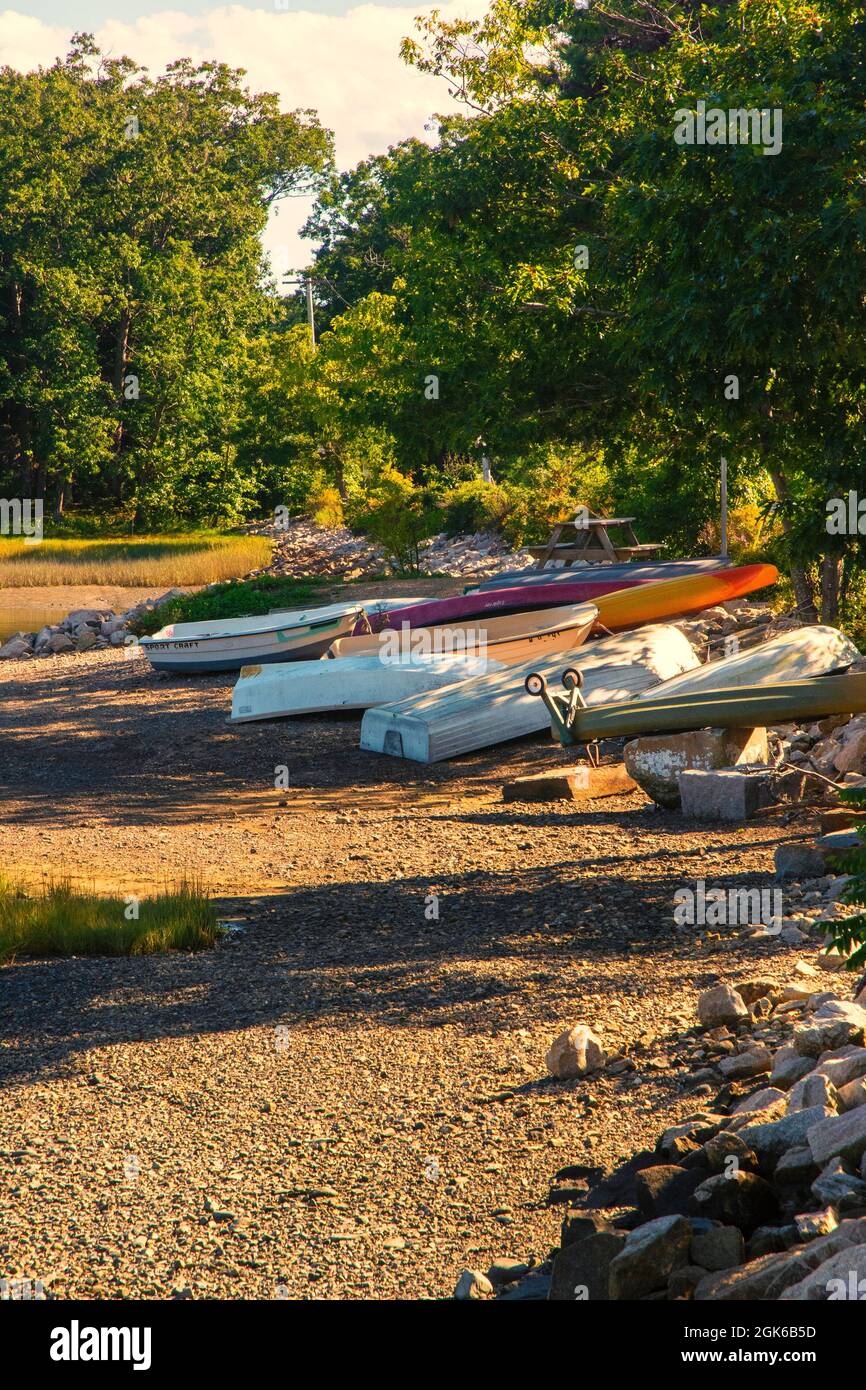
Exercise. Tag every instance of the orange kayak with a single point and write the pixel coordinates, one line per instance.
(669, 598)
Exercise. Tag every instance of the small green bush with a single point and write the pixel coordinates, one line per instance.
(475, 506)
(325, 506)
(245, 598)
(397, 516)
(849, 933)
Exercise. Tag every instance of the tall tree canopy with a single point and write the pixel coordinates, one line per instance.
(574, 272)
(131, 210)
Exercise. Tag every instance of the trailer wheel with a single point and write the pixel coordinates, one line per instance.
(572, 679)
(534, 683)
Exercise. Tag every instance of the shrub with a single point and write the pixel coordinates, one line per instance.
(547, 485)
(750, 532)
(325, 506)
(397, 516)
(475, 505)
(849, 933)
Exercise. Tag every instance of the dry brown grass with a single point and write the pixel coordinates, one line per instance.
(166, 561)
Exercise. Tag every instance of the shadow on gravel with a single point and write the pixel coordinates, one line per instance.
(523, 944)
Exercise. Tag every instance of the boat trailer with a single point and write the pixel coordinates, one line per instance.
(563, 708)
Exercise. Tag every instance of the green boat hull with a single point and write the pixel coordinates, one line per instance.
(755, 706)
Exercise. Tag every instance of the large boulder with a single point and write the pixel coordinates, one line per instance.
(656, 762)
(667, 1189)
(799, 861)
(14, 648)
(767, 1277)
(789, 1066)
(839, 1136)
(649, 1256)
(837, 1023)
(92, 617)
(740, 1199)
(721, 1005)
(582, 1271)
(753, 1062)
(842, 1277)
(717, 1248)
(769, 1141)
(576, 1052)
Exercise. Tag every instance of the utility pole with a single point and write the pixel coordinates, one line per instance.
(310, 319)
(723, 549)
(307, 282)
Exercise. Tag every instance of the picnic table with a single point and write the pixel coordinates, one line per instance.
(592, 541)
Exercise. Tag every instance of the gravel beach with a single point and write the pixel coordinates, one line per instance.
(346, 1099)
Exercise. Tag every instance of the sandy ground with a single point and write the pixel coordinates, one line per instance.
(71, 596)
(347, 1099)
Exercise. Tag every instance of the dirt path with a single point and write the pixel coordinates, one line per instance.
(349, 1099)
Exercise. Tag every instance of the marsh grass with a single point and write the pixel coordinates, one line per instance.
(58, 921)
(130, 562)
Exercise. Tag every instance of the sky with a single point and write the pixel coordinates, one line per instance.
(338, 57)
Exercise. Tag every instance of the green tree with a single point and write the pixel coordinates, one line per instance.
(704, 263)
(131, 269)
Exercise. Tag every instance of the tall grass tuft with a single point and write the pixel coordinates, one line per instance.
(166, 561)
(58, 921)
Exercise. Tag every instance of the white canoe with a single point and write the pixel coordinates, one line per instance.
(227, 644)
(356, 682)
(791, 656)
(509, 637)
(492, 708)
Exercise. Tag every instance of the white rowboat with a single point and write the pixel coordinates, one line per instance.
(508, 637)
(227, 644)
(356, 682)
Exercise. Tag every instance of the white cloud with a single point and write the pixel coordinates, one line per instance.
(346, 67)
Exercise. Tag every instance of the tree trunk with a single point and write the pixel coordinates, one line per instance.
(803, 590)
(339, 475)
(831, 587)
(121, 357)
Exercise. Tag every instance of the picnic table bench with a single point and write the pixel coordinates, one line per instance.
(592, 541)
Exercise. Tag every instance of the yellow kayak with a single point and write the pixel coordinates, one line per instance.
(668, 598)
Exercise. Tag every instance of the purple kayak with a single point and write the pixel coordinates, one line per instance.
(461, 606)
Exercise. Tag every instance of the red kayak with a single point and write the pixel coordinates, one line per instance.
(450, 610)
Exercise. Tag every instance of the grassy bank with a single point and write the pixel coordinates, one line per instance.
(60, 922)
(237, 600)
(161, 561)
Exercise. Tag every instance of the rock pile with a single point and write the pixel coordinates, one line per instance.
(86, 629)
(301, 547)
(735, 617)
(760, 1193)
(834, 747)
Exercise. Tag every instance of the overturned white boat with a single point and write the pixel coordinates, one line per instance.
(227, 644)
(495, 707)
(354, 682)
(790, 656)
